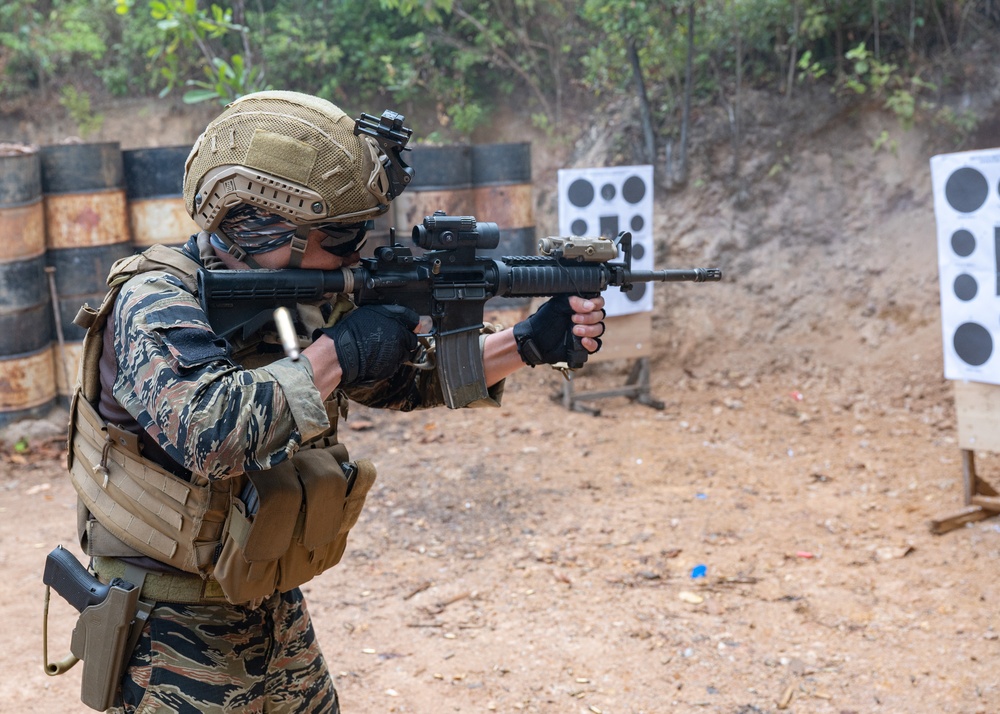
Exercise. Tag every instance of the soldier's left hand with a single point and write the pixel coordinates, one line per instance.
(588, 319)
(542, 338)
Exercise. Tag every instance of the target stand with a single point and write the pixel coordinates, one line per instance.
(977, 407)
(625, 337)
(604, 201)
(967, 212)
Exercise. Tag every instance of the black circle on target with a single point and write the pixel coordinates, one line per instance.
(637, 223)
(634, 189)
(608, 191)
(579, 227)
(963, 242)
(966, 287)
(973, 343)
(966, 190)
(580, 193)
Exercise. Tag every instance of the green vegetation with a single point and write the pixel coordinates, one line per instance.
(467, 57)
(77, 105)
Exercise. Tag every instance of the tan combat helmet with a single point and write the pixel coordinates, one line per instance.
(298, 156)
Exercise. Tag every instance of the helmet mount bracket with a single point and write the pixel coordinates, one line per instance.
(391, 137)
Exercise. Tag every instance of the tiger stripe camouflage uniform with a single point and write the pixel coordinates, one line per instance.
(223, 658)
(221, 409)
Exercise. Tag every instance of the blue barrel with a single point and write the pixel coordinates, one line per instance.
(154, 186)
(442, 181)
(87, 230)
(27, 380)
(502, 193)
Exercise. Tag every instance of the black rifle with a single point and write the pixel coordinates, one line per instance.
(448, 282)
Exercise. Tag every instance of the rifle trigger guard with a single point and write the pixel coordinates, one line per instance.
(425, 362)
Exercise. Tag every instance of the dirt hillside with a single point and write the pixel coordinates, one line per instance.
(761, 544)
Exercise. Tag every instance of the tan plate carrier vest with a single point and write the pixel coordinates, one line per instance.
(201, 526)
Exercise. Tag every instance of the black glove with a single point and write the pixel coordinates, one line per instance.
(547, 336)
(373, 341)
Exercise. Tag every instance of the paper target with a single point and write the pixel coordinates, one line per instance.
(595, 202)
(967, 211)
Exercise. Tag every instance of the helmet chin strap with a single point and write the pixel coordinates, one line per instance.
(235, 251)
(298, 248)
(299, 242)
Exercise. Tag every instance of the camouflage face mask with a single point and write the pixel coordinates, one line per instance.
(255, 230)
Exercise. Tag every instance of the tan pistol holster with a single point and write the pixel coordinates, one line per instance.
(111, 619)
(307, 504)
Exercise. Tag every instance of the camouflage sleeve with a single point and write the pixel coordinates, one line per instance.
(176, 377)
(418, 387)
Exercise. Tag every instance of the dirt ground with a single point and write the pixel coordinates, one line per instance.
(533, 559)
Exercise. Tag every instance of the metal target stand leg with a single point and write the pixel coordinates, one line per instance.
(636, 388)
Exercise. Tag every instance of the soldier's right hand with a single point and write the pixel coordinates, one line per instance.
(373, 342)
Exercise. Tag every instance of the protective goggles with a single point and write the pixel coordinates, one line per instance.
(343, 239)
(258, 231)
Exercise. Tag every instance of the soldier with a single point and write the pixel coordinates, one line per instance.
(209, 470)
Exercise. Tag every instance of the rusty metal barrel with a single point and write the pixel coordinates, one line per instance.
(27, 380)
(442, 181)
(87, 230)
(502, 193)
(154, 181)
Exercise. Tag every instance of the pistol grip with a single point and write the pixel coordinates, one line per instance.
(576, 354)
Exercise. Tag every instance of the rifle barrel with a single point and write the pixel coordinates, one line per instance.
(692, 275)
